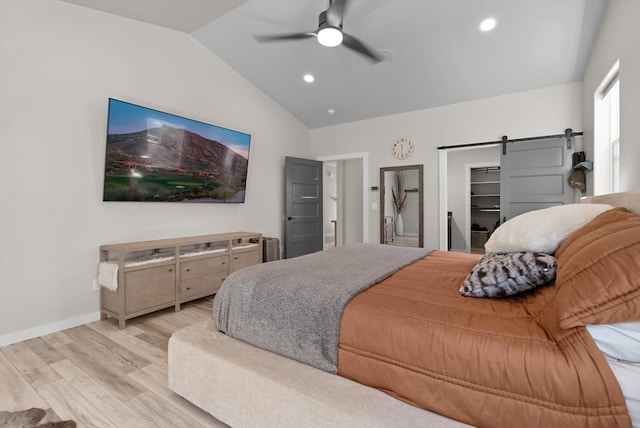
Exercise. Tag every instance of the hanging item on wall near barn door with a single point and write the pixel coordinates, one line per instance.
(578, 178)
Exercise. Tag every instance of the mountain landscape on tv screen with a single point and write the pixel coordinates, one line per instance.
(168, 164)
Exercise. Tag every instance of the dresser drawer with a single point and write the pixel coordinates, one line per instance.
(200, 267)
(244, 259)
(148, 288)
(201, 286)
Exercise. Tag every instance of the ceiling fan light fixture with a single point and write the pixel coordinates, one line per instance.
(330, 37)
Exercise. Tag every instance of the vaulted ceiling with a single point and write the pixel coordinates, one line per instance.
(434, 52)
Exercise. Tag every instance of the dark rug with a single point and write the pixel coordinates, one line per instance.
(30, 418)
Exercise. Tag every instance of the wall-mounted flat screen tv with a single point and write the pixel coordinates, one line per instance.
(160, 157)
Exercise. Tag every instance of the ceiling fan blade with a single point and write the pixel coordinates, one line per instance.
(356, 45)
(335, 13)
(278, 37)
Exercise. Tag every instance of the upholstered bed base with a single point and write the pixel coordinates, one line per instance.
(245, 386)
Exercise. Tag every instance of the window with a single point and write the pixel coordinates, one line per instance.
(614, 134)
(607, 134)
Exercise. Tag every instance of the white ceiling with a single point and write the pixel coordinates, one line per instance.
(181, 15)
(435, 54)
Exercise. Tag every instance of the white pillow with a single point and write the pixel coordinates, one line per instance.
(542, 230)
(620, 341)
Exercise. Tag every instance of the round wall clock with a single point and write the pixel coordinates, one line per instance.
(402, 148)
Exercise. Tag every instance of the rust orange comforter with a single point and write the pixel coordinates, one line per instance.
(486, 362)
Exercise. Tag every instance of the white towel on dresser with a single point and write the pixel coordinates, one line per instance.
(108, 275)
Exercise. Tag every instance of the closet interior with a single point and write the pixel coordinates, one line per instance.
(485, 205)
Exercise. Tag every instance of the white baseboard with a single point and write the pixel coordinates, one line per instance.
(30, 333)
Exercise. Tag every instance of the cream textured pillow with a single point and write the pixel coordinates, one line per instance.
(542, 230)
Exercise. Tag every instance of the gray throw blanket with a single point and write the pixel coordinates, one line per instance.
(294, 307)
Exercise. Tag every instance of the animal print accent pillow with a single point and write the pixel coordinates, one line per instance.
(500, 275)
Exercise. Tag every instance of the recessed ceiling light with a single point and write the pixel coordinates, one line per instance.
(309, 78)
(331, 112)
(488, 24)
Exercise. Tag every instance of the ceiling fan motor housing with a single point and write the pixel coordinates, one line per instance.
(328, 34)
(323, 22)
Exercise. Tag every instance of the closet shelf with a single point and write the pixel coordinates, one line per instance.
(485, 205)
(485, 182)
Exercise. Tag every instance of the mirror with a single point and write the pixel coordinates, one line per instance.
(401, 201)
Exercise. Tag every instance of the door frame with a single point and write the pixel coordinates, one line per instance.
(365, 185)
(442, 193)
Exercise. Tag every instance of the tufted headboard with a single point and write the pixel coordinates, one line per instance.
(629, 200)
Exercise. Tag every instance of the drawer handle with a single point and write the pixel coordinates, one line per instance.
(235, 258)
(188, 270)
(223, 262)
(170, 270)
(188, 288)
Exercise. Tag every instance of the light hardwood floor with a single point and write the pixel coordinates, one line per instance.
(404, 241)
(101, 376)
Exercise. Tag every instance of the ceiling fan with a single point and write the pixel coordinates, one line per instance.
(329, 33)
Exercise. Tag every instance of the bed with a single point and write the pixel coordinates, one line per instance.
(409, 350)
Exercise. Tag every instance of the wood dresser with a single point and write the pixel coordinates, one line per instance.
(153, 275)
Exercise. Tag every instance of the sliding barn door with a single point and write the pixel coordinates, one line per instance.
(535, 175)
(303, 232)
